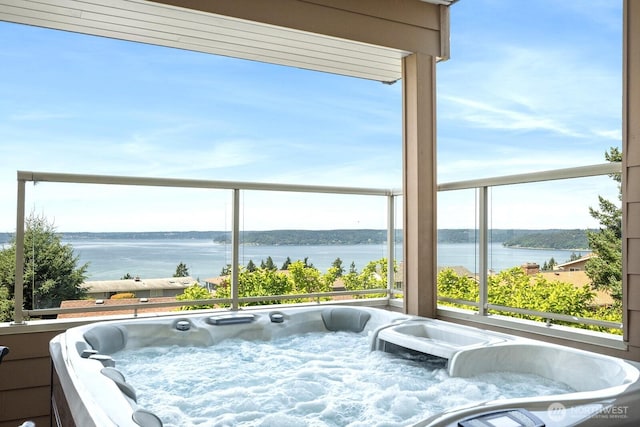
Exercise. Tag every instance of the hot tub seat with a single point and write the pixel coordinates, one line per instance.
(435, 337)
(582, 371)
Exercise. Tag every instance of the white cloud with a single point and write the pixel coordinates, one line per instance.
(493, 117)
(38, 116)
(614, 134)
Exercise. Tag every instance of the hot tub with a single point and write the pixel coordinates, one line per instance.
(89, 389)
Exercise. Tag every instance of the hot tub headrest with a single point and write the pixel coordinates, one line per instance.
(106, 339)
(117, 377)
(345, 319)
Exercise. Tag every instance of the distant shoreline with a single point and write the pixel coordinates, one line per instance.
(546, 248)
(560, 239)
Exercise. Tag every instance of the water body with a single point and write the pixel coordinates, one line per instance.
(153, 258)
(500, 257)
(314, 379)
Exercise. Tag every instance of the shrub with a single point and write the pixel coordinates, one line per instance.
(123, 295)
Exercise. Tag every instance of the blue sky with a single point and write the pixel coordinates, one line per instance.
(530, 86)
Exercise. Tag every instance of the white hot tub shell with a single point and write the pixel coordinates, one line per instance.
(88, 390)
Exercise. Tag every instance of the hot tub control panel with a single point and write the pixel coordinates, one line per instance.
(504, 418)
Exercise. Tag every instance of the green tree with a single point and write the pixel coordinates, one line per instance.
(286, 264)
(258, 283)
(268, 264)
(605, 269)
(451, 285)
(226, 270)
(126, 277)
(514, 288)
(551, 264)
(373, 276)
(251, 266)
(194, 292)
(330, 277)
(352, 279)
(337, 264)
(352, 268)
(51, 272)
(181, 270)
(307, 264)
(307, 279)
(6, 305)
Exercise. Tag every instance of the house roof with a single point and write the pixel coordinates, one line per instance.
(580, 260)
(75, 304)
(578, 279)
(133, 285)
(458, 270)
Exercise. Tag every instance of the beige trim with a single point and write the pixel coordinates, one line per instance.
(407, 25)
(631, 174)
(419, 186)
(352, 38)
(445, 34)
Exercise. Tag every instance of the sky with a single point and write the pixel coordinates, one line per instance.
(530, 86)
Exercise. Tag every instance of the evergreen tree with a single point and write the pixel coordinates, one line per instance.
(251, 266)
(126, 277)
(352, 268)
(269, 264)
(226, 270)
(286, 264)
(307, 264)
(337, 263)
(181, 270)
(51, 274)
(605, 269)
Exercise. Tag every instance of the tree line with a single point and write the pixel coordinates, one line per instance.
(551, 239)
(299, 278)
(542, 239)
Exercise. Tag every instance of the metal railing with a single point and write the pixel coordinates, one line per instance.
(481, 186)
(235, 186)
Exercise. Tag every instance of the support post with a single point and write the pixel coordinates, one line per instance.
(483, 241)
(235, 244)
(419, 185)
(391, 243)
(18, 291)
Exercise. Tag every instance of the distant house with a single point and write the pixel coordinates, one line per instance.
(213, 282)
(457, 269)
(575, 265)
(141, 288)
(578, 278)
